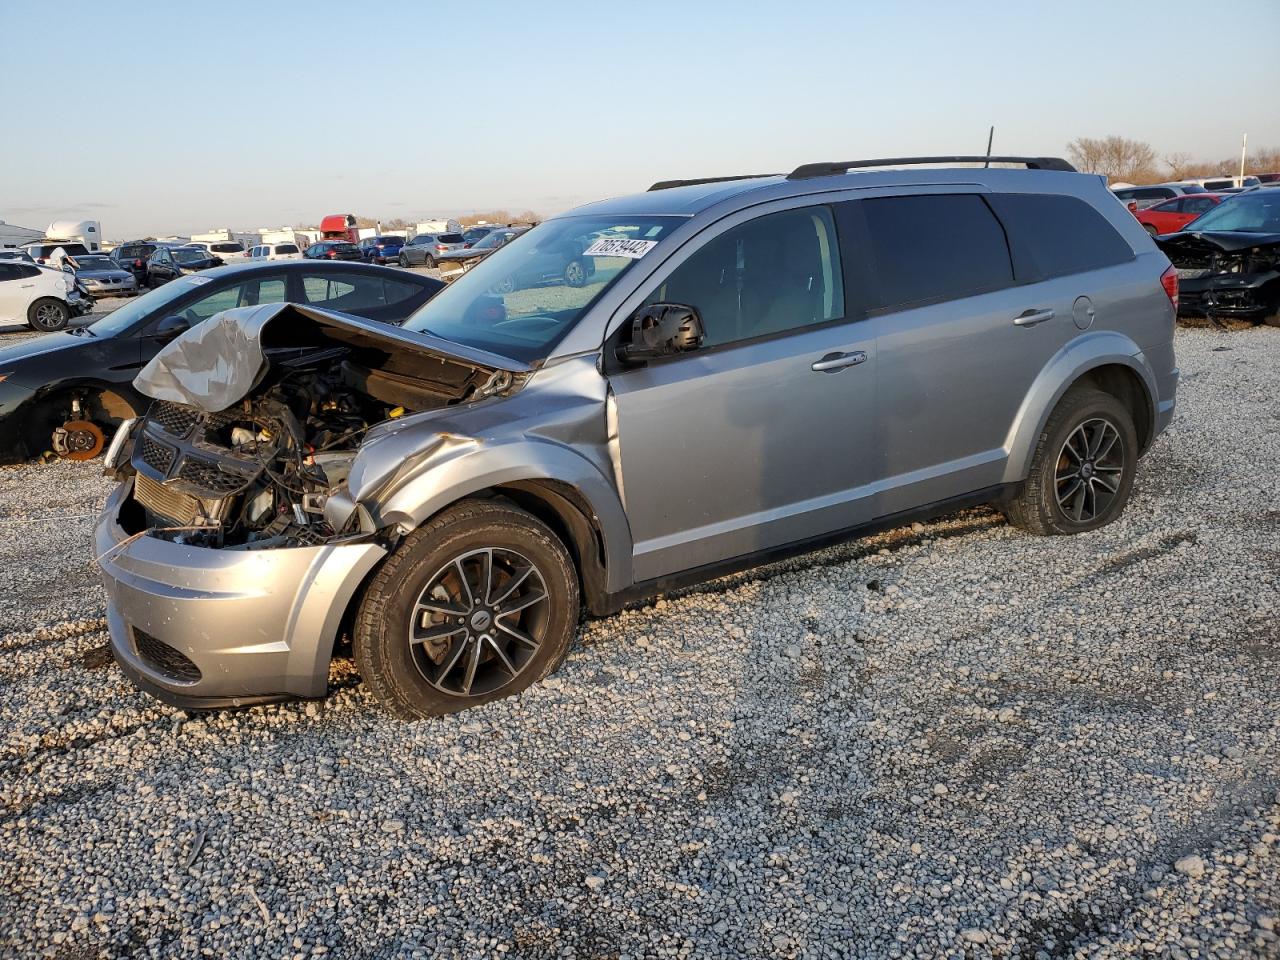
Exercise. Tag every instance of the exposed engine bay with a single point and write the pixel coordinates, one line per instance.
(1226, 275)
(257, 473)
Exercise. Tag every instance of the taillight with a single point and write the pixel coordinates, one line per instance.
(1169, 280)
(138, 264)
(441, 246)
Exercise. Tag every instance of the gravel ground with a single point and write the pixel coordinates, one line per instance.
(949, 740)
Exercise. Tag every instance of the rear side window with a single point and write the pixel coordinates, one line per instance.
(1054, 236)
(924, 248)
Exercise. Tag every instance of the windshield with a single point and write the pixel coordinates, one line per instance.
(190, 254)
(519, 301)
(491, 241)
(1257, 212)
(122, 318)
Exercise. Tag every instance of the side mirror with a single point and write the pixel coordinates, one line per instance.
(170, 327)
(662, 330)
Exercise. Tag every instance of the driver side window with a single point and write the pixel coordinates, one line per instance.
(769, 275)
(250, 293)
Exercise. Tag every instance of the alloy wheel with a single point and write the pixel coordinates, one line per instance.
(48, 316)
(479, 621)
(1089, 470)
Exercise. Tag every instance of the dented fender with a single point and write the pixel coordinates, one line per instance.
(450, 472)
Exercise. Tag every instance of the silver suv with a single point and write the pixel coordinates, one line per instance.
(746, 368)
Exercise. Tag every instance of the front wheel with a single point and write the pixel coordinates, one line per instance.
(48, 315)
(1083, 467)
(477, 605)
(404, 261)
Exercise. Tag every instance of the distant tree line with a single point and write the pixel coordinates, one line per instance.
(1133, 161)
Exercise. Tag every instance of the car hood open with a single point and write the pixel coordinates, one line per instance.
(1221, 241)
(220, 361)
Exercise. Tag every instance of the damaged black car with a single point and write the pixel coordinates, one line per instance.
(1228, 260)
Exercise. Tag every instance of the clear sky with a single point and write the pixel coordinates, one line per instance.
(178, 117)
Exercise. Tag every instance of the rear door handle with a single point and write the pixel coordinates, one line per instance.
(838, 361)
(1030, 318)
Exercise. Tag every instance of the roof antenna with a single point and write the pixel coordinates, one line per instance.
(991, 135)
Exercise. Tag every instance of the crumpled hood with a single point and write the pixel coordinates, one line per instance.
(1222, 241)
(220, 361)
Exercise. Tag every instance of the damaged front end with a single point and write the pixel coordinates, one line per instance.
(1226, 275)
(259, 415)
(227, 568)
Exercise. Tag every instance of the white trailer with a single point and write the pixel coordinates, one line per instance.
(13, 236)
(88, 232)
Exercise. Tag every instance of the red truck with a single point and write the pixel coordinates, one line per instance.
(339, 226)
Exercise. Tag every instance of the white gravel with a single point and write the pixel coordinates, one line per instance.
(949, 740)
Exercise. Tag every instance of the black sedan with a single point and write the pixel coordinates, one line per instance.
(333, 250)
(169, 263)
(67, 391)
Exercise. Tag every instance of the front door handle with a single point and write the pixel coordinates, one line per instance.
(1030, 318)
(838, 361)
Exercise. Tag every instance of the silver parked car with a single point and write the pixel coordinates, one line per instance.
(750, 367)
(426, 248)
(100, 276)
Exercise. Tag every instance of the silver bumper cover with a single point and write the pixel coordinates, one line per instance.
(206, 628)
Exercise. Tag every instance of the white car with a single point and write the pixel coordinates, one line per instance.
(228, 251)
(43, 298)
(275, 251)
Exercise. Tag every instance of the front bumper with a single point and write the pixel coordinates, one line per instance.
(203, 629)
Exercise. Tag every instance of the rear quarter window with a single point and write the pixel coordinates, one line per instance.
(1054, 236)
(923, 249)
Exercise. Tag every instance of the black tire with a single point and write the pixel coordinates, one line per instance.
(1049, 502)
(1151, 230)
(48, 315)
(404, 261)
(429, 262)
(437, 557)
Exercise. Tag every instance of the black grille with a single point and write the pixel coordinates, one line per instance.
(164, 659)
(173, 418)
(209, 477)
(156, 455)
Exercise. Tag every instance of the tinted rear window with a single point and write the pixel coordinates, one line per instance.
(450, 238)
(925, 248)
(1053, 236)
(286, 248)
(226, 248)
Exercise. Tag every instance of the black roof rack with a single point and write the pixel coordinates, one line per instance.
(668, 184)
(810, 170)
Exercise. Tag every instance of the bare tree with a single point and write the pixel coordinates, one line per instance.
(1117, 158)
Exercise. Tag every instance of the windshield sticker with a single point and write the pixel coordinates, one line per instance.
(620, 247)
(196, 281)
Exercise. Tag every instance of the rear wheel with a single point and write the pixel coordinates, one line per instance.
(476, 605)
(429, 262)
(47, 315)
(1083, 468)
